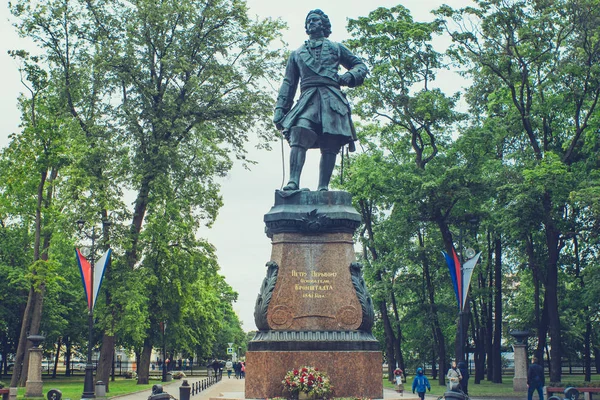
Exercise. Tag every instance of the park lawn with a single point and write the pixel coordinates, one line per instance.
(484, 389)
(72, 388)
(489, 389)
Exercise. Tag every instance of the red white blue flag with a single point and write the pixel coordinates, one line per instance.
(91, 293)
(461, 275)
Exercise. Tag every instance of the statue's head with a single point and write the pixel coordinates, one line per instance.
(324, 20)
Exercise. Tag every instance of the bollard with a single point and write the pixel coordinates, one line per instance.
(100, 389)
(184, 391)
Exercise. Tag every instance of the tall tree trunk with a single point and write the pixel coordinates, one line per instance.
(433, 315)
(447, 239)
(106, 361)
(68, 356)
(478, 333)
(553, 247)
(552, 303)
(36, 318)
(587, 357)
(107, 351)
(22, 357)
(390, 339)
(398, 343)
(542, 332)
(22, 346)
(587, 338)
(481, 322)
(143, 367)
(139, 212)
(497, 344)
(57, 357)
(489, 339)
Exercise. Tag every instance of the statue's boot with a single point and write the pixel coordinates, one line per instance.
(326, 167)
(297, 158)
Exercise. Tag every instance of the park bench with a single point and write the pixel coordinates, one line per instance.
(587, 391)
(4, 393)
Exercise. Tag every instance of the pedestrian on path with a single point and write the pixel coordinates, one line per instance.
(454, 376)
(420, 383)
(229, 368)
(535, 379)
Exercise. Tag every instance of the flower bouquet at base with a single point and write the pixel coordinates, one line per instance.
(307, 380)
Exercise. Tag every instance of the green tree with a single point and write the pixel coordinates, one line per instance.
(164, 93)
(542, 57)
(415, 117)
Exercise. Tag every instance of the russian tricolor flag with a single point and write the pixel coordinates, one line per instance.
(86, 275)
(461, 279)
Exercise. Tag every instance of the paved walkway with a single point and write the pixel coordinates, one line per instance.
(232, 389)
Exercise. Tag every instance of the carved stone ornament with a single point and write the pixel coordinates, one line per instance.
(364, 298)
(313, 222)
(264, 296)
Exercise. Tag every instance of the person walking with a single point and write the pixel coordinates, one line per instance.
(454, 376)
(229, 368)
(420, 383)
(464, 382)
(535, 379)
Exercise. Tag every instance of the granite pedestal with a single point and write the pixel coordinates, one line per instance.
(520, 379)
(34, 386)
(313, 308)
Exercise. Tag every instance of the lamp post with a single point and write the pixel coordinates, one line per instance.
(463, 315)
(120, 360)
(88, 383)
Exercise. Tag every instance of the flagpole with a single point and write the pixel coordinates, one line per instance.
(88, 383)
(460, 353)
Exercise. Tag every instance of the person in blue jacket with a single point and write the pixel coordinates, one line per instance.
(420, 383)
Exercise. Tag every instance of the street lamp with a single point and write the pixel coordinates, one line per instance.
(120, 360)
(463, 315)
(88, 383)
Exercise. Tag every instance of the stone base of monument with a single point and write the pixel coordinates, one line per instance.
(313, 308)
(34, 388)
(352, 374)
(350, 358)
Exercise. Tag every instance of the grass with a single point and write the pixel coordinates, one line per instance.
(489, 389)
(72, 388)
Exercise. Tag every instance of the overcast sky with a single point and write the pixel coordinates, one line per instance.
(238, 234)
